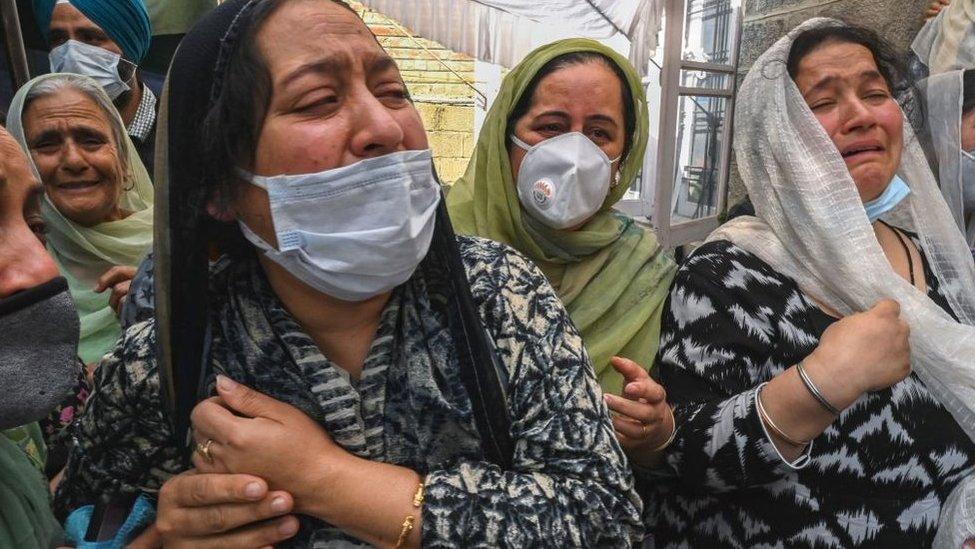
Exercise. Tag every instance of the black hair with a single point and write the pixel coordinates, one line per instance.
(235, 117)
(571, 59)
(891, 63)
(967, 91)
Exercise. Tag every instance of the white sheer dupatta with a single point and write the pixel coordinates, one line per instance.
(810, 225)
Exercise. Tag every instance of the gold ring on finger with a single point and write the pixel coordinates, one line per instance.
(643, 429)
(204, 450)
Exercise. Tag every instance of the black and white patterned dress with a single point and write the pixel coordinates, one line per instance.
(569, 485)
(877, 477)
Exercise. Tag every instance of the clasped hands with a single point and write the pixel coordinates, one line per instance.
(258, 461)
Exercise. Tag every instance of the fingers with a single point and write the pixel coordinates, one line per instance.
(113, 276)
(886, 307)
(638, 384)
(642, 434)
(90, 373)
(212, 466)
(212, 420)
(627, 442)
(631, 429)
(119, 291)
(631, 370)
(244, 400)
(634, 410)
(264, 534)
(200, 490)
(646, 389)
(222, 519)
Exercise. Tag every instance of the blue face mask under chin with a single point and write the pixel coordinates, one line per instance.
(896, 191)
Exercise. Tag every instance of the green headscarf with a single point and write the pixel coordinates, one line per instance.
(611, 274)
(176, 16)
(83, 254)
(26, 519)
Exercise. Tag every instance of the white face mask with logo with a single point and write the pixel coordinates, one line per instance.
(563, 180)
(99, 64)
(353, 232)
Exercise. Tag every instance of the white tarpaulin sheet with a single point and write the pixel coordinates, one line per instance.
(504, 31)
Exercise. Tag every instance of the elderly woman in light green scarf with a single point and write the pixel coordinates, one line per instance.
(98, 196)
(561, 144)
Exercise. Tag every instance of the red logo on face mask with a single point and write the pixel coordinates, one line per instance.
(541, 192)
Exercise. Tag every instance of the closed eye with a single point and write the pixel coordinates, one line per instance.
(395, 96)
(317, 105)
(47, 146)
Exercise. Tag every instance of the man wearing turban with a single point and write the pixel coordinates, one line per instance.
(106, 41)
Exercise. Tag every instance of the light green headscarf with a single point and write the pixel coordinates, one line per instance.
(176, 16)
(83, 254)
(611, 274)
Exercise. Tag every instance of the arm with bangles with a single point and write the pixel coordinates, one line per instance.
(578, 495)
(244, 430)
(738, 426)
(568, 484)
(858, 354)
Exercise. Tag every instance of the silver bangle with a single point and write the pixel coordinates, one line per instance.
(815, 391)
(674, 432)
(764, 417)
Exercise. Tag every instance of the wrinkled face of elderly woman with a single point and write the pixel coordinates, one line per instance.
(845, 90)
(337, 98)
(74, 149)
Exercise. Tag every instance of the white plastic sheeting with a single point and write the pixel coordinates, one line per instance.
(504, 31)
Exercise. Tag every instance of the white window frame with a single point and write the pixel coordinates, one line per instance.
(656, 191)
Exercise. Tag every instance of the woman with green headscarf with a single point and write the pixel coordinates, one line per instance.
(561, 144)
(98, 196)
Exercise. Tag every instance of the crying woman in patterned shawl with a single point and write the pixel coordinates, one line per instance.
(369, 378)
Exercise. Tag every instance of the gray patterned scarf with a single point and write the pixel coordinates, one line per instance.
(410, 373)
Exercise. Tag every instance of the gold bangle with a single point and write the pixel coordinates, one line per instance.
(764, 417)
(405, 531)
(418, 496)
(674, 432)
(408, 522)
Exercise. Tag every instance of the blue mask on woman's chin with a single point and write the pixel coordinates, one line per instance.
(896, 192)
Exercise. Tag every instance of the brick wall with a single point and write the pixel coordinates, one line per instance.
(436, 79)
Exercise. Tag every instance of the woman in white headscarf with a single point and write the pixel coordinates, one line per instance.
(820, 354)
(98, 196)
(949, 102)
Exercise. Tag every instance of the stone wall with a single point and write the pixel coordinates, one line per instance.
(765, 21)
(436, 78)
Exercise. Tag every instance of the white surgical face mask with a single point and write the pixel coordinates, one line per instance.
(99, 64)
(353, 232)
(563, 180)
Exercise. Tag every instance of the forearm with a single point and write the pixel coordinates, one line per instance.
(794, 409)
(366, 499)
(721, 444)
